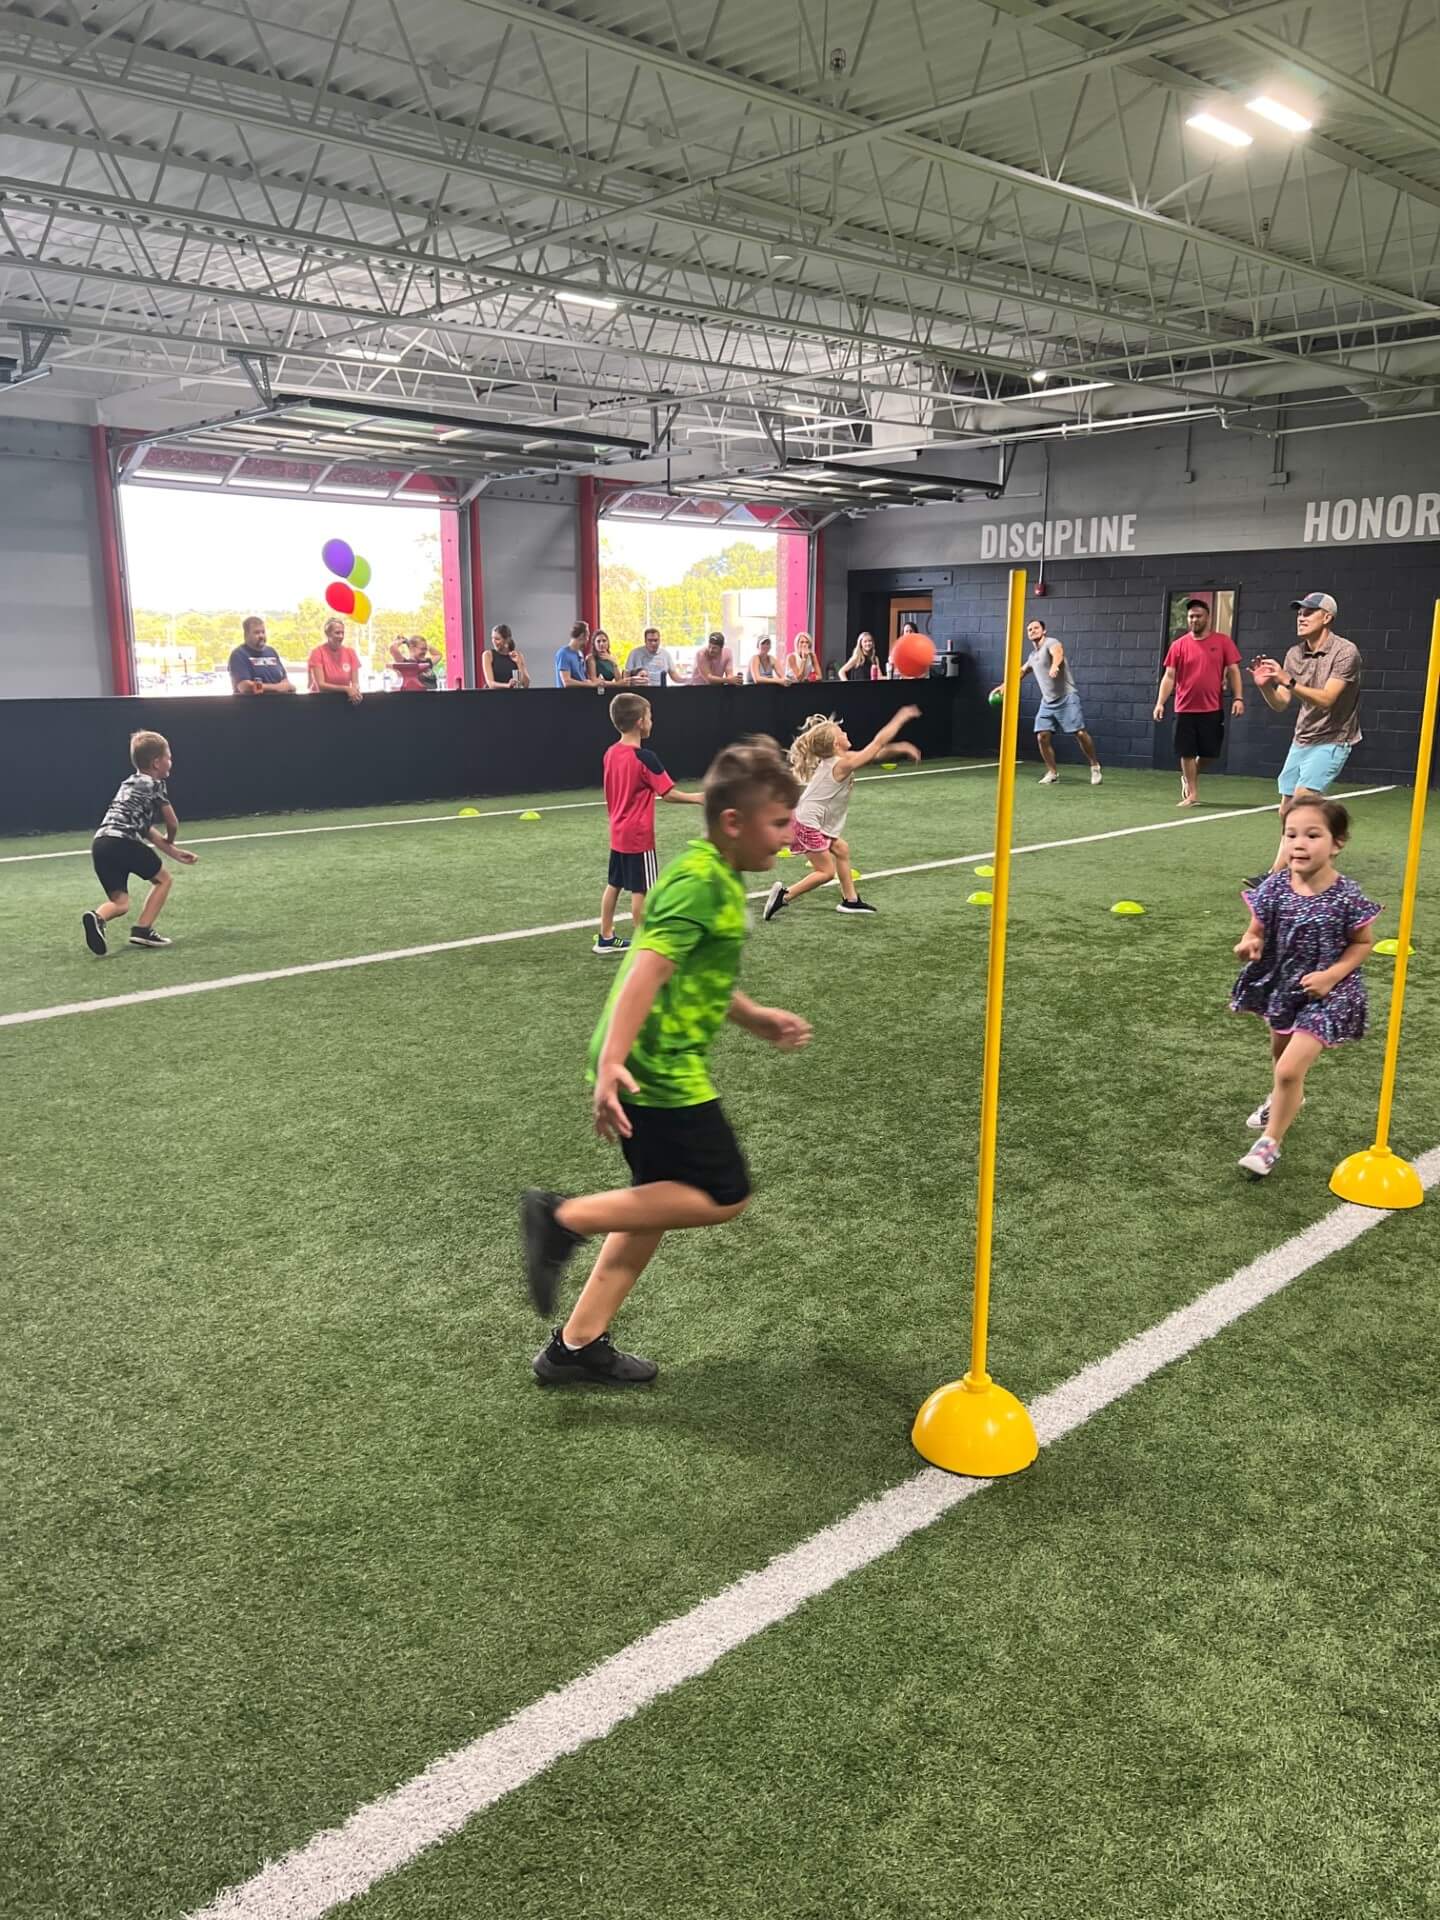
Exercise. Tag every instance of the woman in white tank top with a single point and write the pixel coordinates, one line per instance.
(824, 759)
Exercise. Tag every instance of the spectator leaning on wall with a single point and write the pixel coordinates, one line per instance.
(255, 666)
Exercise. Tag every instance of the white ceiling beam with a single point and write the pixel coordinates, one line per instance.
(1183, 233)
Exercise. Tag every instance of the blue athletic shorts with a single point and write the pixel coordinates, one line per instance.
(1317, 767)
(1060, 716)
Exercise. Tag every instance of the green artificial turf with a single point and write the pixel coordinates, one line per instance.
(287, 1517)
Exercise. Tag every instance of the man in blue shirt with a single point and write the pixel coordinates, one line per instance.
(570, 667)
(255, 666)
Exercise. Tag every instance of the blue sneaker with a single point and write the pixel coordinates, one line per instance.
(613, 945)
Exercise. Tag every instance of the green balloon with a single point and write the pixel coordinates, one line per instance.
(359, 575)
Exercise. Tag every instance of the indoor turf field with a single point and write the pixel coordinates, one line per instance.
(287, 1517)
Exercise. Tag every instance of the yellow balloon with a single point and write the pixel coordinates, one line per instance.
(363, 609)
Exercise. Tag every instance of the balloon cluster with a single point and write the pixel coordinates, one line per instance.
(346, 593)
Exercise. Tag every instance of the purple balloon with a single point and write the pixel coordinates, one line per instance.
(339, 557)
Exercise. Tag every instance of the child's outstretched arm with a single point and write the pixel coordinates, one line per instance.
(648, 973)
(846, 763)
(685, 799)
(784, 1030)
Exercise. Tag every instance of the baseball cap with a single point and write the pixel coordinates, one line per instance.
(1315, 603)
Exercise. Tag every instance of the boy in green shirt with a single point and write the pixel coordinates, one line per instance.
(650, 1068)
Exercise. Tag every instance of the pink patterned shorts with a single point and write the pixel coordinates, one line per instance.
(805, 839)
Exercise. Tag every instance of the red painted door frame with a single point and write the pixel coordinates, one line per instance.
(112, 566)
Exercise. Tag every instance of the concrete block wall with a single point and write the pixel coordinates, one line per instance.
(1110, 614)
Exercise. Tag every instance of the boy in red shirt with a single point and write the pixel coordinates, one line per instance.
(634, 779)
(1196, 667)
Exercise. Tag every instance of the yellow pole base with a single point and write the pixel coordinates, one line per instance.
(976, 1428)
(1377, 1178)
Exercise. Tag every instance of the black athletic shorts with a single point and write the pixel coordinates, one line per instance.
(116, 858)
(695, 1145)
(633, 872)
(1199, 736)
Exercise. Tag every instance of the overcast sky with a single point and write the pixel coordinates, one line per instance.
(195, 550)
(198, 550)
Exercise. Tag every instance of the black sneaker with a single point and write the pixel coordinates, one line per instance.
(548, 1246)
(775, 900)
(857, 905)
(94, 934)
(600, 1364)
(147, 937)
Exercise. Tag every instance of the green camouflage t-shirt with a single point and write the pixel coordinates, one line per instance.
(695, 915)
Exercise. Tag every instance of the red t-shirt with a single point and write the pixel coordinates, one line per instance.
(1198, 665)
(633, 777)
(335, 665)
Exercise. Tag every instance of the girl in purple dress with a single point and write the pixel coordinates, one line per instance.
(1310, 929)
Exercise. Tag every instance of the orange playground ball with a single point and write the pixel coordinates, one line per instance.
(913, 655)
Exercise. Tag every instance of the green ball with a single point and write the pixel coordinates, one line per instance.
(996, 699)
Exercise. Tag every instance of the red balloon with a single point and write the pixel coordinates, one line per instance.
(340, 597)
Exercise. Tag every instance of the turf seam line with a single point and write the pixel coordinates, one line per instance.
(376, 1840)
(435, 819)
(184, 989)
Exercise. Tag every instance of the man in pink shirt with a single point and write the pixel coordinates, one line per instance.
(1197, 667)
(334, 667)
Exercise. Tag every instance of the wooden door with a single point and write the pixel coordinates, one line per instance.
(915, 607)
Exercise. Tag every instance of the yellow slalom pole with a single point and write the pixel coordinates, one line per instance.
(1377, 1177)
(972, 1426)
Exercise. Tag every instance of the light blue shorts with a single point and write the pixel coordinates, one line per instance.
(1060, 716)
(1317, 767)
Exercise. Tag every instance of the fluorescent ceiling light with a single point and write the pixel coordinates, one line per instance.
(1040, 375)
(377, 356)
(1219, 129)
(1084, 386)
(588, 300)
(1278, 114)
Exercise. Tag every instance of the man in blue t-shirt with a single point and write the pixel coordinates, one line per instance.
(255, 666)
(571, 669)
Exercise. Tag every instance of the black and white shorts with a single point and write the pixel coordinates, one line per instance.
(694, 1145)
(633, 872)
(116, 858)
(1199, 736)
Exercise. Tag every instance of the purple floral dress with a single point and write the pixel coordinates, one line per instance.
(1304, 933)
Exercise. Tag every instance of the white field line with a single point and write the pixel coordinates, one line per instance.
(435, 819)
(378, 1839)
(30, 1015)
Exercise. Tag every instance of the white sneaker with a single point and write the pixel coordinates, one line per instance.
(1048, 779)
(1095, 776)
(1261, 1158)
(1260, 1119)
